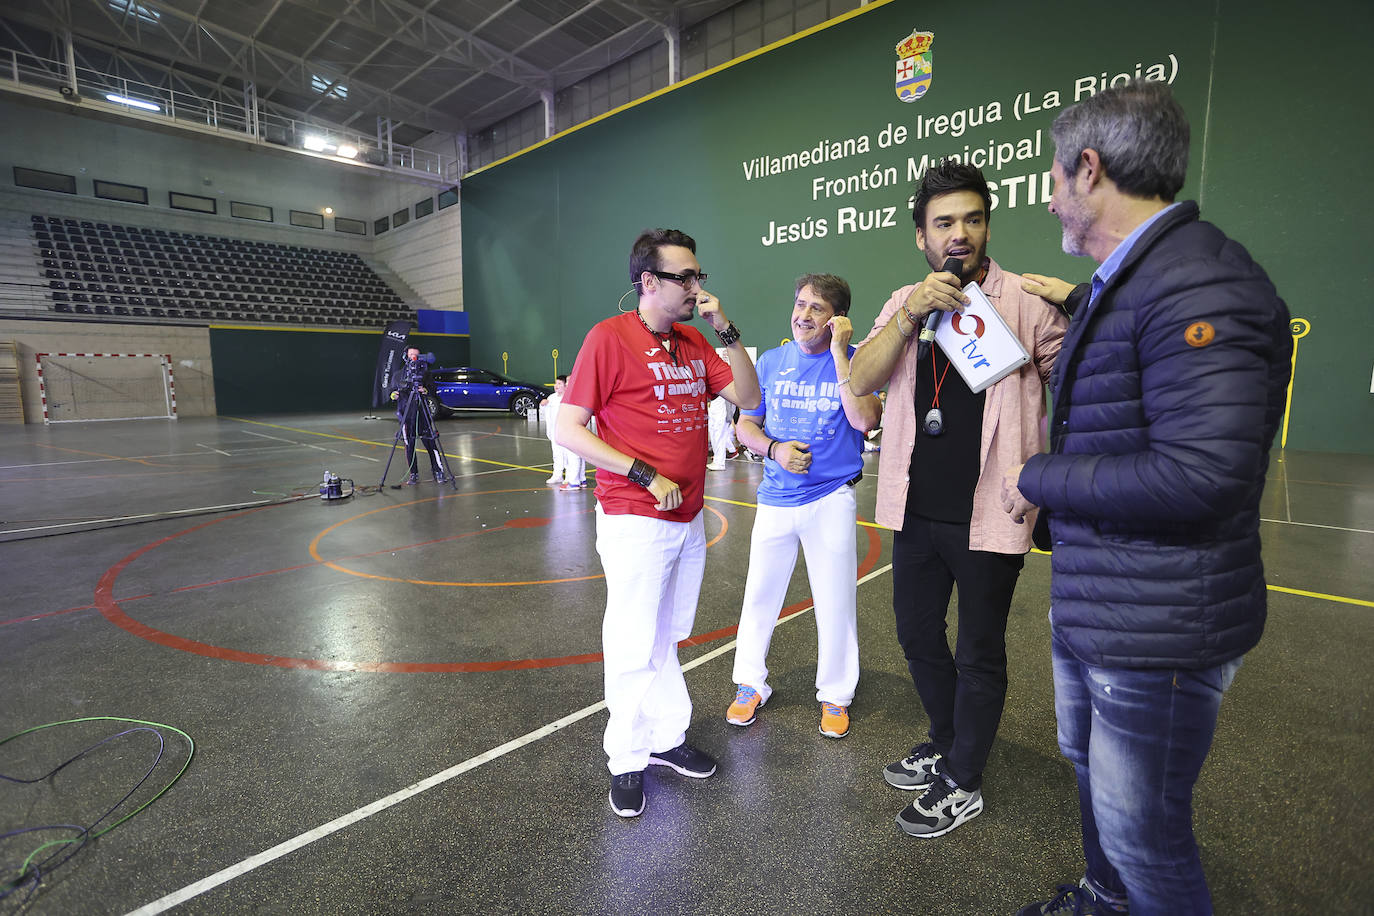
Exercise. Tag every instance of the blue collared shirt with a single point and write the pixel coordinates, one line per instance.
(1108, 268)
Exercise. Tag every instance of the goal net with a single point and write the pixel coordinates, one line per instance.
(106, 386)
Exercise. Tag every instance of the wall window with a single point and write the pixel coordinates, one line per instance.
(448, 198)
(381, 225)
(354, 226)
(178, 201)
(307, 220)
(44, 181)
(250, 211)
(424, 207)
(129, 193)
(400, 218)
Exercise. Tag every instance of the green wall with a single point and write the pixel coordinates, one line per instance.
(279, 371)
(1273, 95)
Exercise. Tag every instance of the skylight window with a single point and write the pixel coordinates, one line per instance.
(137, 10)
(325, 86)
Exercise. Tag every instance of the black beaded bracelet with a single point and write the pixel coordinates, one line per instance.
(729, 335)
(642, 473)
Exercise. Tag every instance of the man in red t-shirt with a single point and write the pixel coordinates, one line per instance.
(648, 380)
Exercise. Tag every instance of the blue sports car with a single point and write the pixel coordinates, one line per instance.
(468, 388)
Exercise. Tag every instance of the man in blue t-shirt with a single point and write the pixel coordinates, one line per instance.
(810, 428)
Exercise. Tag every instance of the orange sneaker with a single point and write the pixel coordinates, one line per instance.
(834, 720)
(742, 711)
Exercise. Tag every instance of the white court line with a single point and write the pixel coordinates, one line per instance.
(162, 904)
(496, 471)
(263, 449)
(1280, 521)
(44, 464)
(249, 432)
(171, 513)
(364, 457)
(213, 449)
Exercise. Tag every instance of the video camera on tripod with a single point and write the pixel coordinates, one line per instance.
(413, 388)
(413, 375)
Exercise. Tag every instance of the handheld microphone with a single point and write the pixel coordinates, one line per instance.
(932, 323)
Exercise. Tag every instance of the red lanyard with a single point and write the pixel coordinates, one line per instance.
(938, 382)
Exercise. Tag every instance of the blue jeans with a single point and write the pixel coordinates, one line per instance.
(1137, 738)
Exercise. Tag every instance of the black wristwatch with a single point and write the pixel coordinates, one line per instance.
(728, 336)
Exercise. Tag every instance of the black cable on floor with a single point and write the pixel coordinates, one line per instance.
(125, 520)
(36, 864)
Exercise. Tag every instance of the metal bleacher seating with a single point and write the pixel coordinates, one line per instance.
(114, 270)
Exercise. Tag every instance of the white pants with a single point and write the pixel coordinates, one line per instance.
(566, 460)
(826, 531)
(721, 430)
(653, 575)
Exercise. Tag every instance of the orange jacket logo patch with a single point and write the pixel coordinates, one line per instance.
(1200, 334)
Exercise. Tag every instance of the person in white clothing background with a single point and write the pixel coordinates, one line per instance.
(569, 468)
(722, 432)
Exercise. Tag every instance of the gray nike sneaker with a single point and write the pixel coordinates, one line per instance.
(915, 771)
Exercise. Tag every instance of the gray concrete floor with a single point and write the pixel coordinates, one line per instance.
(327, 655)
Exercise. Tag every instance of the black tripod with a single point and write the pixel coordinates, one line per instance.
(415, 421)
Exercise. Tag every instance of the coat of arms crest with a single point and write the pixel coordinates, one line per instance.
(914, 67)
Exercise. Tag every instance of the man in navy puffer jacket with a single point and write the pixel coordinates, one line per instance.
(1167, 395)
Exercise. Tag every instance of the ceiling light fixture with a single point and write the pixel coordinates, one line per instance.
(136, 103)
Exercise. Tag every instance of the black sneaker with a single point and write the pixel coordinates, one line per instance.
(915, 771)
(687, 760)
(1071, 900)
(940, 809)
(627, 794)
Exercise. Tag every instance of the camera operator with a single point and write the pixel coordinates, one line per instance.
(409, 390)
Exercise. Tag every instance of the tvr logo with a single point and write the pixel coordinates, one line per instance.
(960, 324)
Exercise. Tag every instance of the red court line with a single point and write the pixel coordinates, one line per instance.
(70, 610)
(267, 572)
(111, 610)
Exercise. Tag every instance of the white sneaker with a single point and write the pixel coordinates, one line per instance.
(551, 481)
(715, 467)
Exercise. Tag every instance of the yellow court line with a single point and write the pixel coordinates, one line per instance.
(294, 330)
(311, 432)
(1339, 598)
(734, 502)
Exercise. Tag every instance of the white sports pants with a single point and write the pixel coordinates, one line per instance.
(720, 429)
(825, 529)
(653, 575)
(566, 460)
